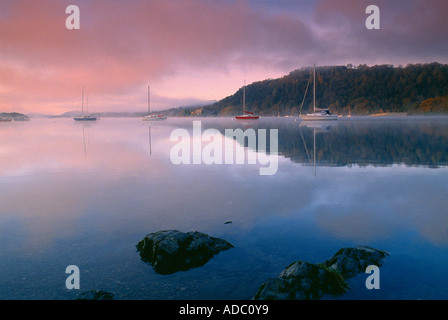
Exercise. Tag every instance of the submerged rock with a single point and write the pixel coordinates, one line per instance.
(95, 295)
(351, 261)
(169, 251)
(302, 280)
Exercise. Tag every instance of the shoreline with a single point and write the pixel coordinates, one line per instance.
(397, 114)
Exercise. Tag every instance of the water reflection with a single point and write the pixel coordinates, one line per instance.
(317, 127)
(128, 169)
(86, 136)
(361, 141)
(75, 193)
(149, 139)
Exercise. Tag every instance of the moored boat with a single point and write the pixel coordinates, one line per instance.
(318, 114)
(152, 117)
(84, 117)
(247, 115)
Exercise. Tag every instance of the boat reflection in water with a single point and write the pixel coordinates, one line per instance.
(361, 141)
(316, 127)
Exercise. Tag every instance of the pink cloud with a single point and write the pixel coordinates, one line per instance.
(120, 47)
(124, 46)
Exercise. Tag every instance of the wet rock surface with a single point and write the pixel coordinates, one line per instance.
(169, 251)
(302, 280)
(95, 295)
(351, 261)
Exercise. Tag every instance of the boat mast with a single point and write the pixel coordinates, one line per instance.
(314, 149)
(314, 89)
(244, 96)
(87, 102)
(149, 111)
(82, 101)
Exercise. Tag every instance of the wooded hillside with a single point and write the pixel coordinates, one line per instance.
(414, 89)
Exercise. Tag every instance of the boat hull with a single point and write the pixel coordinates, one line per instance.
(154, 118)
(312, 117)
(85, 119)
(243, 117)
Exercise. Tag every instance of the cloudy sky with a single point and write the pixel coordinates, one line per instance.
(189, 51)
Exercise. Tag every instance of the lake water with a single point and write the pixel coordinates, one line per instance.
(85, 194)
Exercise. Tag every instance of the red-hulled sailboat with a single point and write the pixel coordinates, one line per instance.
(247, 115)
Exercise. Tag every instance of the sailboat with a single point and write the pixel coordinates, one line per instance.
(152, 117)
(247, 115)
(318, 113)
(84, 117)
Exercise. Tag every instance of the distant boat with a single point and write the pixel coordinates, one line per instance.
(152, 117)
(247, 115)
(5, 119)
(318, 113)
(25, 118)
(84, 117)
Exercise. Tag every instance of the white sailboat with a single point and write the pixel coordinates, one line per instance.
(152, 117)
(318, 113)
(84, 117)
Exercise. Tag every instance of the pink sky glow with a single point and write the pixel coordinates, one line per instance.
(190, 51)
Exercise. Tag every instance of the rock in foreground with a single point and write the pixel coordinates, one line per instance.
(303, 280)
(169, 251)
(351, 261)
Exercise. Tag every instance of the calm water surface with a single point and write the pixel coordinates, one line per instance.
(86, 193)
